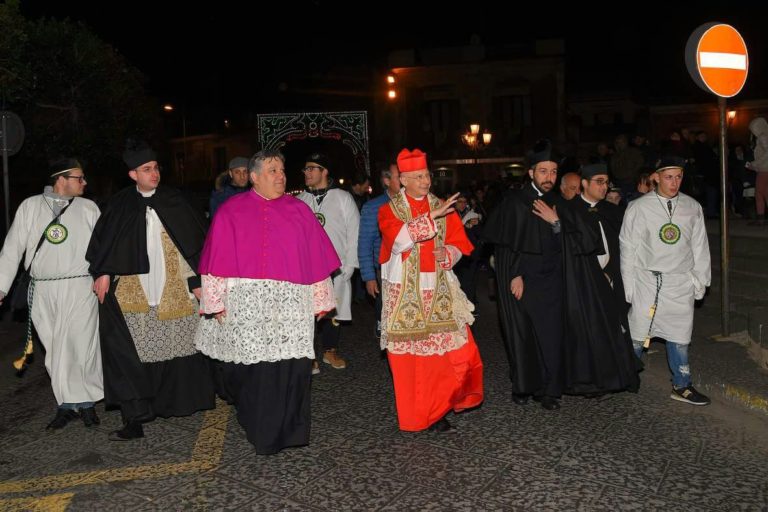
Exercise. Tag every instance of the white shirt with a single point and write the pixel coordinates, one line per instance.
(602, 259)
(154, 282)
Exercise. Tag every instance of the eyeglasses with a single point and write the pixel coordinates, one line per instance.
(311, 168)
(80, 179)
(600, 182)
(418, 177)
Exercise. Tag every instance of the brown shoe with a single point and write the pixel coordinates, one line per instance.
(333, 358)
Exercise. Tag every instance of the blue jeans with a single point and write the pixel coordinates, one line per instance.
(76, 407)
(677, 359)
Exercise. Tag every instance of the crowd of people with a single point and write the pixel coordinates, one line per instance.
(156, 310)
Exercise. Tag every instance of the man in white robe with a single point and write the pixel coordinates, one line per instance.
(64, 309)
(337, 212)
(665, 266)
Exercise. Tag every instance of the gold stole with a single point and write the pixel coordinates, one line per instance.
(175, 302)
(408, 322)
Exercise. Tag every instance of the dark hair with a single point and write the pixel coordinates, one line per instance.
(359, 178)
(52, 179)
(256, 161)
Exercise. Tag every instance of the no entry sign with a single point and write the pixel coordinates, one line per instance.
(717, 59)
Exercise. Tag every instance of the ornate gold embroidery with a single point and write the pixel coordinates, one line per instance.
(175, 301)
(408, 322)
(130, 295)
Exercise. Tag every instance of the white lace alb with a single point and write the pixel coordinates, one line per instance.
(265, 320)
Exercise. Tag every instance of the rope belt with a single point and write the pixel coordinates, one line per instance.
(21, 363)
(659, 281)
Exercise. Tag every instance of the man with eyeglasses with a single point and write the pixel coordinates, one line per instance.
(145, 251)
(435, 364)
(53, 229)
(337, 212)
(666, 267)
(598, 349)
(235, 181)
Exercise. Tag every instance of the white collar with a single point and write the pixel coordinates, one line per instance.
(537, 190)
(146, 194)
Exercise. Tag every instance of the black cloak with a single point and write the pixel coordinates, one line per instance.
(119, 247)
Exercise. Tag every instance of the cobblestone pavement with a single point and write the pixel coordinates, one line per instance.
(629, 452)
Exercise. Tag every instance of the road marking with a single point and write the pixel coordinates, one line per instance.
(53, 503)
(206, 455)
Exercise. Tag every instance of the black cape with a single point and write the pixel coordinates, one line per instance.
(118, 246)
(600, 356)
(589, 363)
(534, 328)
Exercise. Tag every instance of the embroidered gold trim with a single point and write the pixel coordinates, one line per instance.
(130, 295)
(175, 301)
(407, 322)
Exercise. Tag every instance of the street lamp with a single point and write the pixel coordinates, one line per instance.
(474, 139)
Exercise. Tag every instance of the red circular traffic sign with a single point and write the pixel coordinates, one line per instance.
(717, 59)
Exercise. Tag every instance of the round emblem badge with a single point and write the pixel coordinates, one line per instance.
(669, 233)
(320, 218)
(56, 233)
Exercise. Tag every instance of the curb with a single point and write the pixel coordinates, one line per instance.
(746, 398)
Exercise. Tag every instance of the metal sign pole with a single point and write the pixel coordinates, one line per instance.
(725, 259)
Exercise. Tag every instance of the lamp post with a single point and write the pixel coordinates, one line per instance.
(475, 140)
(168, 107)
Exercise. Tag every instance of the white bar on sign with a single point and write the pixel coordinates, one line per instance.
(723, 60)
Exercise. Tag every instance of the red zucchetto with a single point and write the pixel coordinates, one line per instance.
(410, 161)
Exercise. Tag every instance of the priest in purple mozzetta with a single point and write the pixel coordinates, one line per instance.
(265, 270)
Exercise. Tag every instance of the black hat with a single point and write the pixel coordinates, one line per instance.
(238, 161)
(320, 159)
(670, 162)
(542, 152)
(592, 170)
(63, 165)
(137, 153)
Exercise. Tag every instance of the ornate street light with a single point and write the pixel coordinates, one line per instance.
(474, 139)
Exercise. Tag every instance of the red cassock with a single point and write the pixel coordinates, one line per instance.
(427, 387)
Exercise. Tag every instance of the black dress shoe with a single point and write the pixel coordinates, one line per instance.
(549, 403)
(442, 426)
(63, 416)
(132, 430)
(89, 417)
(520, 399)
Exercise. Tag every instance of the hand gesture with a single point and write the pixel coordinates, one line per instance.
(544, 211)
(445, 207)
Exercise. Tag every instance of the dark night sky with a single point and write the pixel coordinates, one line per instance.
(219, 55)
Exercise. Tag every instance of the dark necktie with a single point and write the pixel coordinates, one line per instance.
(669, 206)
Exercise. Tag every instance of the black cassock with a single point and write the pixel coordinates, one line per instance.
(533, 327)
(601, 357)
(118, 246)
(564, 335)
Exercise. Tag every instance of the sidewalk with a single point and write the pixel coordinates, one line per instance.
(736, 368)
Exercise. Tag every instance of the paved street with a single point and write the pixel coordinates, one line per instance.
(630, 452)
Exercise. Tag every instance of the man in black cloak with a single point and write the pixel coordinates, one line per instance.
(143, 255)
(599, 352)
(528, 233)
